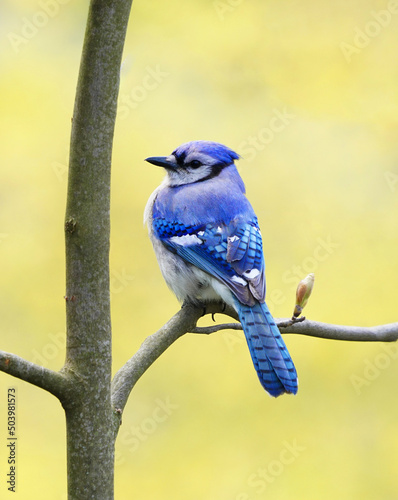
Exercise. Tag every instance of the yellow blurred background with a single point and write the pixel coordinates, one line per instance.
(306, 92)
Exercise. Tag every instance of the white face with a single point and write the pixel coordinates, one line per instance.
(195, 167)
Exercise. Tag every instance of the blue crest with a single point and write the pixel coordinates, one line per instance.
(219, 152)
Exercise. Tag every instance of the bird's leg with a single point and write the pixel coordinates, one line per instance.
(187, 303)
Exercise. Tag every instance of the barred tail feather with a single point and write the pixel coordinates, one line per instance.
(272, 361)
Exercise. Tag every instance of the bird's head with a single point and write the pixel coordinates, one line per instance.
(195, 161)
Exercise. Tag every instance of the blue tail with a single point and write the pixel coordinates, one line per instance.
(273, 363)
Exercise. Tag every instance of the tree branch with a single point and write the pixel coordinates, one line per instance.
(207, 330)
(152, 347)
(185, 321)
(380, 333)
(155, 345)
(54, 382)
(302, 326)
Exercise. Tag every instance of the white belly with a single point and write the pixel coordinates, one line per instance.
(187, 281)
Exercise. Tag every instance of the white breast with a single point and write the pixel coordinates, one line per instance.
(185, 280)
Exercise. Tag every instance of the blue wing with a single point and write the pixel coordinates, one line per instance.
(232, 253)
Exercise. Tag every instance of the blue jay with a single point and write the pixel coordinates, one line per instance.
(208, 244)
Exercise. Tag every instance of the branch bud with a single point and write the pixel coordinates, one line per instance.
(303, 292)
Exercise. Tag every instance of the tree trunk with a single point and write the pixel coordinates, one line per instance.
(90, 419)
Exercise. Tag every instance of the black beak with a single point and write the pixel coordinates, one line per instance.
(161, 161)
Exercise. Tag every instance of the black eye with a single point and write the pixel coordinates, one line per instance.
(195, 164)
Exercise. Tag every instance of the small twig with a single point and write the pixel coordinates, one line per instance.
(302, 326)
(212, 329)
(237, 326)
(380, 333)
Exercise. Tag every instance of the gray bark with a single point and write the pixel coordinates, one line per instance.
(90, 419)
